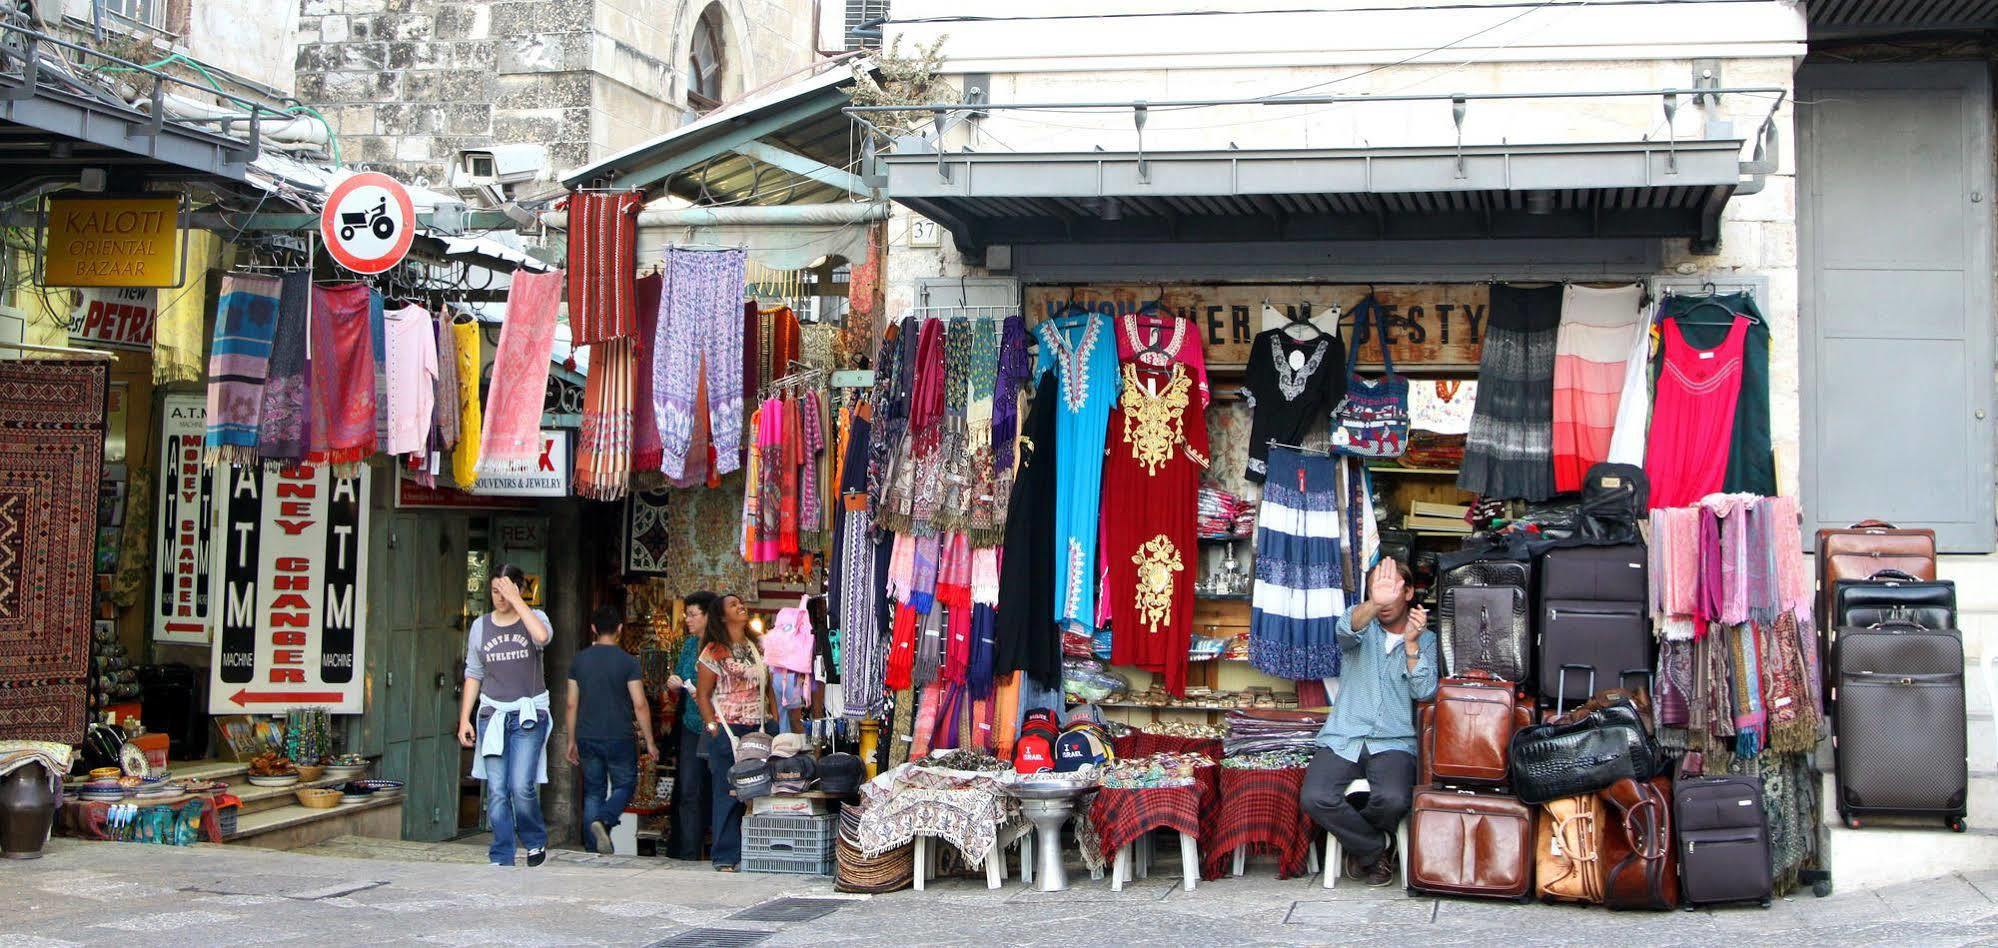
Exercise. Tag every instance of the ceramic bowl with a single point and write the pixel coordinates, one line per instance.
(280, 780)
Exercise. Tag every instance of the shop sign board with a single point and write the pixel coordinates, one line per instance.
(368, 222)
(119, 318)
(111, 240)
(290, 564)
(549, 477)
(181, 588)
(1429, 325)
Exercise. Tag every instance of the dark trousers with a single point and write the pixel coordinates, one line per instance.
(1391, 779)
(727, 848)
(692, 806)
(610, 777)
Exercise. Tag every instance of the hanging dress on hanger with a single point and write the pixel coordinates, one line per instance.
(1292, 388)
(1509, 453)
(1082, 354)
(1593, 344)
(1692, 416)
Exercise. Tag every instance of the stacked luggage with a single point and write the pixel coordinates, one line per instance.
(1896, 671)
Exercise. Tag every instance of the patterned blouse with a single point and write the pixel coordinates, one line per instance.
(739, 678)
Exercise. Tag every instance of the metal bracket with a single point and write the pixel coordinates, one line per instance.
(1139, 113)
(943, 170)
(1457, 107)
(31, 73)
(1671, 133)
(1706, 75)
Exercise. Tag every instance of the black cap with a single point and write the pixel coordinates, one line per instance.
(794, 774)
(840, 774)
(750, 779)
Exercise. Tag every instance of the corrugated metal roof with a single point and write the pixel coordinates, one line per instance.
(1884, 15)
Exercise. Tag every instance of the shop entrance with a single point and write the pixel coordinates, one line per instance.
(428, 563)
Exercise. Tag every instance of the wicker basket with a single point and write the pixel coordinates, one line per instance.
(310, 772)
(319, 798)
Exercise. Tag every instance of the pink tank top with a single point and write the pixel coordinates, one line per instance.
(1692, 416)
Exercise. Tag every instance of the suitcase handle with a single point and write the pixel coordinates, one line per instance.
(1873, 524)
(1893, 574)
(1561, 687)
(1893, 623)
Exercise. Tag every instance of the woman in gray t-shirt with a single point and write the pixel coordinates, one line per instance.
(505, 684)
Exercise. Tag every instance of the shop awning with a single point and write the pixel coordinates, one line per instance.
(1612, 189)
(1832, 18)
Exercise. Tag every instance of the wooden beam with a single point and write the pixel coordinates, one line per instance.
(797, 164)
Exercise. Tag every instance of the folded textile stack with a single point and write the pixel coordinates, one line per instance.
(1269, 760)
(1255, 731)
(1222, 514)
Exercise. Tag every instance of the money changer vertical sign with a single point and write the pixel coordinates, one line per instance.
(290, 568)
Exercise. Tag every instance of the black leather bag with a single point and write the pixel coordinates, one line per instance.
(1584, 755)
(1485, 628)
(1614, 498)
(1893, 596)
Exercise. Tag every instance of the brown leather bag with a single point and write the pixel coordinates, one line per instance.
(1568, 855)
(1466, 729)
(1640, 862)
(1866, 548)
(1465, 843)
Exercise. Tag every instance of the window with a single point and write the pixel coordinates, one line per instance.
(863, 23)
(708, 63)
(141, 12)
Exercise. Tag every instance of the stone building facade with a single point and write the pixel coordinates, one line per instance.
(408, 84)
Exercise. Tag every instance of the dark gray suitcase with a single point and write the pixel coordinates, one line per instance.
(1600, 573)
(1898, 707)
(1485, 628)
(1894, 596)
(1611, 639)
(1723, 840)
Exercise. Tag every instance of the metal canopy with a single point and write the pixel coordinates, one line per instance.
(1636, 189)
(1832, 18)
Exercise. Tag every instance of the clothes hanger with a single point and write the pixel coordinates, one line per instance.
(1712, 303)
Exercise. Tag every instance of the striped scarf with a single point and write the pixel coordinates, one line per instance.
(246, 318)
(1751, 717)
(284, 432)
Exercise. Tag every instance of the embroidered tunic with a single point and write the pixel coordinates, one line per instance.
(1081, 351)
(1151, 484)
(1293, 387)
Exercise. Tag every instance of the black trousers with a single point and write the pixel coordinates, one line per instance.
(691, 799)
(1391, 779)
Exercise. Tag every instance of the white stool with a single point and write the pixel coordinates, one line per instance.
(1335, 862)
(1310, 859)
(1189, 859)
(995, 860)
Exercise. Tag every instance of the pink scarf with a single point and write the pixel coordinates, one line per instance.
(1732, 510)
(511, 442)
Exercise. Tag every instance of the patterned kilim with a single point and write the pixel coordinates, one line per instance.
(1262, 814)
(51, 458)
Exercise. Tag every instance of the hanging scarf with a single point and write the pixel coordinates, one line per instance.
(647, 453)
(444, 411)
(183, 317)
(900, 669)
(1015, 370)
(1792, 722)
(1751, 719)
(465, 457)
(1764, 585)
(930, 648)
(283, 432)
(811, 502)
(984, 622)
(1675, 562)
(888, 407)
(926, 401)
(863, 652)
(769, 480)
(1731, 509)
(791, 435)
(511, 442)
(954, 594)
(603, 253)
(752, 491)
(1707, 602)
(928, 553)
(1674, 690)
(932, 699)
(603, 451)
(246, 316)
(343, 376)
(1711, 719)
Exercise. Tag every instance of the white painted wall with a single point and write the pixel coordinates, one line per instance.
(255, 39)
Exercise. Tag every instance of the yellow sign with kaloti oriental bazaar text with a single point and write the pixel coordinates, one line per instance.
(118, 241)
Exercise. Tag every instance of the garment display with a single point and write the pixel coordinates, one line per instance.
(603, 255)
(646, 450)
(700, 338)
(246, 315)
(1081, 351)
(1597, 329)
(1704, 324)
(411, 340)
(343, 389)
(1509, 453)
(1441, 406)
(282, 427)
(1299, 592)
(603, 447)
(471, 417)
(1151, 477)
(1691, 414)
(1292, 385)
(511, 441)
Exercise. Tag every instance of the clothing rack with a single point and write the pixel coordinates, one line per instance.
(959, 308)
(95, 355)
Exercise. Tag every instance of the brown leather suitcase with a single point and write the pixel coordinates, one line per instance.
(1466, 843)
(1866, 548)
(1567, 857)
(1640, 861)
(1466, 729)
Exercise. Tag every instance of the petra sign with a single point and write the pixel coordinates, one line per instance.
(290, 570)
(116, 319)
(1432, 325)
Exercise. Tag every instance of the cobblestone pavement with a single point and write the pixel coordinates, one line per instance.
(353, 891)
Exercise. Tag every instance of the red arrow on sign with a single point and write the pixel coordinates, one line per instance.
(246, 698)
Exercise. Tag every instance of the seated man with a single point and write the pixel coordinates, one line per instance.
(1388, 661)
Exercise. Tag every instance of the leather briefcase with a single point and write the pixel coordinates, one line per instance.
(1568, 858)
(1866, 548)
(1485, 628)
(1468, 727)
(1640, 864)
(1465, 843)
(1583, 752)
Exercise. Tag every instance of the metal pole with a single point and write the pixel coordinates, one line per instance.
(1778, 91)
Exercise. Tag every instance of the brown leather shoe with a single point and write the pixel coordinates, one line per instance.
(1383, 870)
(1356, 866)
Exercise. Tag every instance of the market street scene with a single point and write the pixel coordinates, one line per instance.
(737, 472)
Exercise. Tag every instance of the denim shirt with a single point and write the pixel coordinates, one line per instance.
(1375, 710)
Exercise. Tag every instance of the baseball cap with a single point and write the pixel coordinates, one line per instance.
(750, 779)
(840, 774)
(794, 774)
(753, 746)
(787, 745)
(1076, 750)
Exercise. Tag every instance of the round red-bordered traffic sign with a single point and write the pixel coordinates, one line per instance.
(368, 222)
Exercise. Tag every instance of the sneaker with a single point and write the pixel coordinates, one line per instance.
(602, 837)
(536, 857)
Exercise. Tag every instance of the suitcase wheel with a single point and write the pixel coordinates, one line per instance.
(1851, 822)
(1957, 825)
(1765, 903)
(1821, 888)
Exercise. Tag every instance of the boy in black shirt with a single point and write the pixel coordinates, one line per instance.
(607, 688)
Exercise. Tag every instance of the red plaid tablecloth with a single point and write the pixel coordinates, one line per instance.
(1121, 816)
(1262, 813)
(1141, 744)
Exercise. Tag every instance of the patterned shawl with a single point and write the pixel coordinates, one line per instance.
(343, 375)
(926, 401)
(246, 315)
(465, 349)
(603, 253)
(284, 433)
(647, 453)
(1751, 716)
(444, 411)
(512, 438)
(603, 455)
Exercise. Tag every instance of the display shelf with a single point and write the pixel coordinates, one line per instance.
(1398, 469)
(1219, 597)
(1217, 541)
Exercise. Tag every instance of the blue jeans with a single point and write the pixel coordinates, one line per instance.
(727, 823)
(612, 761)
(513, 798)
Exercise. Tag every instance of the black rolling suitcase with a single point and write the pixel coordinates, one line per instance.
(1594, 615)
(1894, 596)
(1898, 706)
(1723, 840)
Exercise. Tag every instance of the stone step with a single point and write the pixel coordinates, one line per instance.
(289, 827)
(258, 799)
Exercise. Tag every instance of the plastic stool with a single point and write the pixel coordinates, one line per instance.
(1335, 862)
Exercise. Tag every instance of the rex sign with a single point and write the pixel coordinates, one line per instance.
(290, 570)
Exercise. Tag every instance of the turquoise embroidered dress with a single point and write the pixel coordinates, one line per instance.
(1081, 349)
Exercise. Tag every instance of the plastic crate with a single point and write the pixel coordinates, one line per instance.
(788, 865)
(225, 820)
(789, 836)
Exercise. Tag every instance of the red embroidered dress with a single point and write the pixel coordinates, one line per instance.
(1151, 483)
